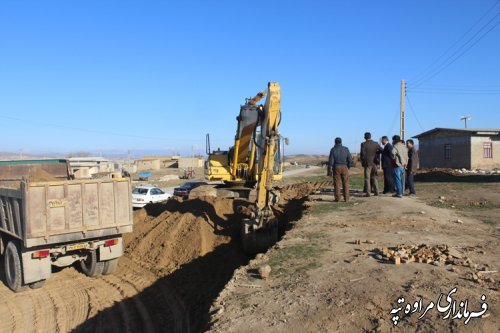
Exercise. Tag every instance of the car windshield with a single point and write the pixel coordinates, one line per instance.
(140, 190)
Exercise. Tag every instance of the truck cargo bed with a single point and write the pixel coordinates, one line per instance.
(41, 213)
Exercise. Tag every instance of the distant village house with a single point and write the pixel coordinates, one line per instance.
(148, 163)
(457, 148)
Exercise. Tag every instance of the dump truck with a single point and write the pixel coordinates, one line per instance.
(47, 218)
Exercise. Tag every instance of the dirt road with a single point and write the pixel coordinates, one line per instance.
(326, 276)
(291, 172)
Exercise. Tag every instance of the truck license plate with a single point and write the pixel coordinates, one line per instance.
(77, 247)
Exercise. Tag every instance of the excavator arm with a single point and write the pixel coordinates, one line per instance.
(240, 164)
(243, 155)
(261, 231)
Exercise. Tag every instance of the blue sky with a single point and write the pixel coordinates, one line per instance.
(159, 75)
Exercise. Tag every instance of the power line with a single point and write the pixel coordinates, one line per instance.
(456, 89)
(434, 69)
(89, 130)
(393, 122)
(457, 41)
(453, 92)
(458, 86)
(459, 55)
(414, 113)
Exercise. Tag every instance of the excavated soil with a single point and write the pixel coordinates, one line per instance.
(179, 257)
(182, 232)
(42, 176)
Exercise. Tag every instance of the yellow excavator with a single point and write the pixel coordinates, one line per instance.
(254, 162)
(239, 164)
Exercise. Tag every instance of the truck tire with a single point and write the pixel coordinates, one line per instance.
(110, 266)
(91, 266)
(13, 268)
(37, 284)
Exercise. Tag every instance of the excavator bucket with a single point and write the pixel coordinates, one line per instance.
(258, 240)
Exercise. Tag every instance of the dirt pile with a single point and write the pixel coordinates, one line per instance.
(41, 176)
(192, 246)
(165, 240)
(300, 191)
(167, 236)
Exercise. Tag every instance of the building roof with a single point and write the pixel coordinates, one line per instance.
(159, 157)
(470, 131)
(88, 159)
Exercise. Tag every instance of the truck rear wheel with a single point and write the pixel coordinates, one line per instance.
(110, 266)
(12, 267)
(91, 266)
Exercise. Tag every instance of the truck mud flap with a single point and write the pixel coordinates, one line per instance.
(35, 269)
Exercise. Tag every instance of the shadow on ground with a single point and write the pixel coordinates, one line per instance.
(178, 302)
(181, 301)
(446, 177)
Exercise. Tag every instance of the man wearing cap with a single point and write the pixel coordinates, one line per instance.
(368, 156)
(339, 163)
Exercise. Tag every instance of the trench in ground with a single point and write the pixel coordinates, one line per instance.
(193, 247)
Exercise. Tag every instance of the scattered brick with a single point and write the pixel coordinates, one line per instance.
(436, 255)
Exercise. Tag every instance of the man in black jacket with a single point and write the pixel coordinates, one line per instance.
(387, 166)
(339, 163)
(412, 166)
(368, 155)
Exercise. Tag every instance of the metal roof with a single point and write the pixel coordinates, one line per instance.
(494, 131)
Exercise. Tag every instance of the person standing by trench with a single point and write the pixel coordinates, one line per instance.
(399, 163)
(339, 163)
(387, 166)
(368, 155)
(412, 166)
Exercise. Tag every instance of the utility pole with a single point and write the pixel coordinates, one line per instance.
(465, 118)
(129, 166)
(402, 110)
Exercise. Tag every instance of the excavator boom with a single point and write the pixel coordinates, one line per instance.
(261, 231)
(240, 164)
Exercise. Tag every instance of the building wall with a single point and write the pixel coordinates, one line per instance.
(161, 157)
(144, 165)
(432, 150)
(81, 173)
(169, 164)
(193, 162)
(478, 159)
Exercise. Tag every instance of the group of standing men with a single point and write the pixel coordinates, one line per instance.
(399, 163)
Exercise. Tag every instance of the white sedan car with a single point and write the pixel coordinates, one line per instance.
(143, 195)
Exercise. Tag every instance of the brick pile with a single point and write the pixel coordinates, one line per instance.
(436, 255)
